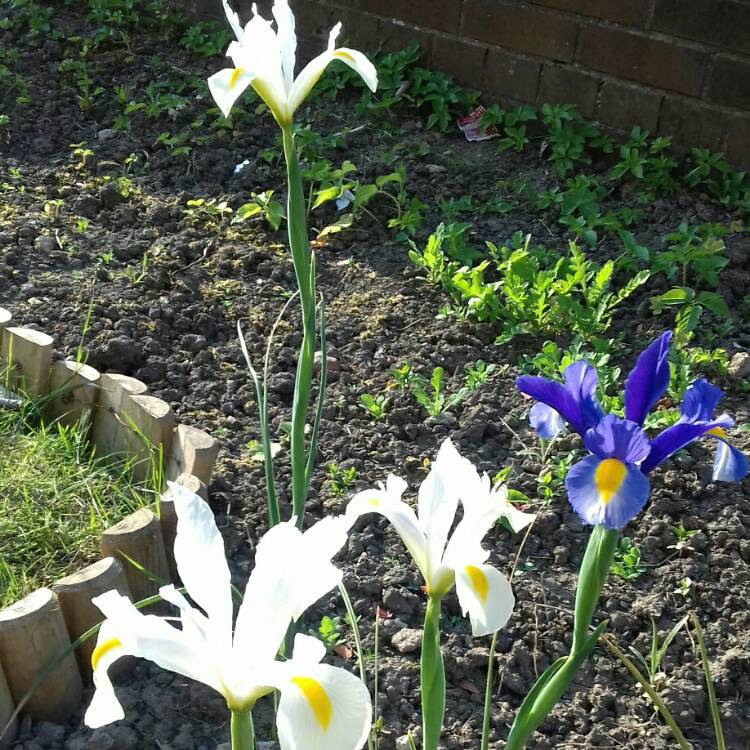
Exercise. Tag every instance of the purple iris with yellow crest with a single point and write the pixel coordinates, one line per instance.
(611, 486)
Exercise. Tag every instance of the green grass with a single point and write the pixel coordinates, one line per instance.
(55, 500)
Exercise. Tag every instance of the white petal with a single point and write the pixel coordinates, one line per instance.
(260, 55)
(308, 650)
(104, 707)
(153, 638)
(227, 85)
(360, 64)
(268, 604)
(438, 501)
(486, 595)
(388, 503)
(322, 708)
(287, 40)
(234, 21)
(312, 72)
(314, 575)
(201, 560)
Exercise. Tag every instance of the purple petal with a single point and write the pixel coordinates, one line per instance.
(699, 401)
(547, 423)
(730, 464)
(669, 441)
(581, 380)
(648, 379)
(613, 508)
(618, 438)
(556, 396)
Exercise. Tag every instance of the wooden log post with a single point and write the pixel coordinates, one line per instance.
(138, 536)
(168, 516)
(33, 637)
(73, 389)
(193, 452)
(5, 318)
(30, 352)
(75, 593)
(7, 708)
(108, 433)
(150, 423)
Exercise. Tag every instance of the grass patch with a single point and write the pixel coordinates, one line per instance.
(55, 500)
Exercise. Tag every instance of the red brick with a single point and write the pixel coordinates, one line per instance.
(722, 23)
(624, 105)
(520, 27)
(692, 123)
(395, 36)
(463, 60)
(512, 76)
(738, 141)
(636, 57)
(564, 85)
(441, 15)
(358, 29)
(630, 12)
(729, 82)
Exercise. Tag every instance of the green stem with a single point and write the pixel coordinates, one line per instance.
(551, 686)
(649, 690)
(488, 694)
(715, 716)
(303, 269)
(242, 731)
(432, 677)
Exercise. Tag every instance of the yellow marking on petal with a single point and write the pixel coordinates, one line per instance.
(719, 433)
(318, 699)
(374, 502)
(479, 581)
(342, 55)
(236, 74)
(103, 649)
(609, 475)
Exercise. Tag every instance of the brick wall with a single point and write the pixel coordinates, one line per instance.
(674, 67)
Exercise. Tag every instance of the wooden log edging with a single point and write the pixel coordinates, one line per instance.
(129, 424)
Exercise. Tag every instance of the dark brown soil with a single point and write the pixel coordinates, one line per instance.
(171, 321)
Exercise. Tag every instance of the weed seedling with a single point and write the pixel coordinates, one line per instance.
(375, 406)
(341, 479)
(627, 562)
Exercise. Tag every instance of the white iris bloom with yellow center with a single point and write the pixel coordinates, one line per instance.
(265, 59)
(483, 592)
(320, 706)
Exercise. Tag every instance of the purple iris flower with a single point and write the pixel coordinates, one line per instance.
(610, 486)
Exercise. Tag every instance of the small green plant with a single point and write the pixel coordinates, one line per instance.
(262, 204)
(570, 139)
(627, 561)
(403, 376)
(330, 631)
(653, 663)
(205, 38)
(694, 251)
(431, 393)
(375, 406)
(682, 537)
(690, 307)
(478, 374)
(340, 479)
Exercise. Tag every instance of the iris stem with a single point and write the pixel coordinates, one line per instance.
(551, 686)
(304, 271)
(432, 677)
(242, 731)
(488, 694)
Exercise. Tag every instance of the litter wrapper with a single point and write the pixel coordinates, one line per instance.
(9, 400)
(472, 126)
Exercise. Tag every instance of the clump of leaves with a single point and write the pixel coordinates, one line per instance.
(627, 561)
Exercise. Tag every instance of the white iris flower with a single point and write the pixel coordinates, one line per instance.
(265, 59)
(320, 706)
(483, 592)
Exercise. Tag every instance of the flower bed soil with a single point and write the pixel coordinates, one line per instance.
(173, 323)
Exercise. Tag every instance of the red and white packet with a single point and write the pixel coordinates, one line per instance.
(472, 127)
